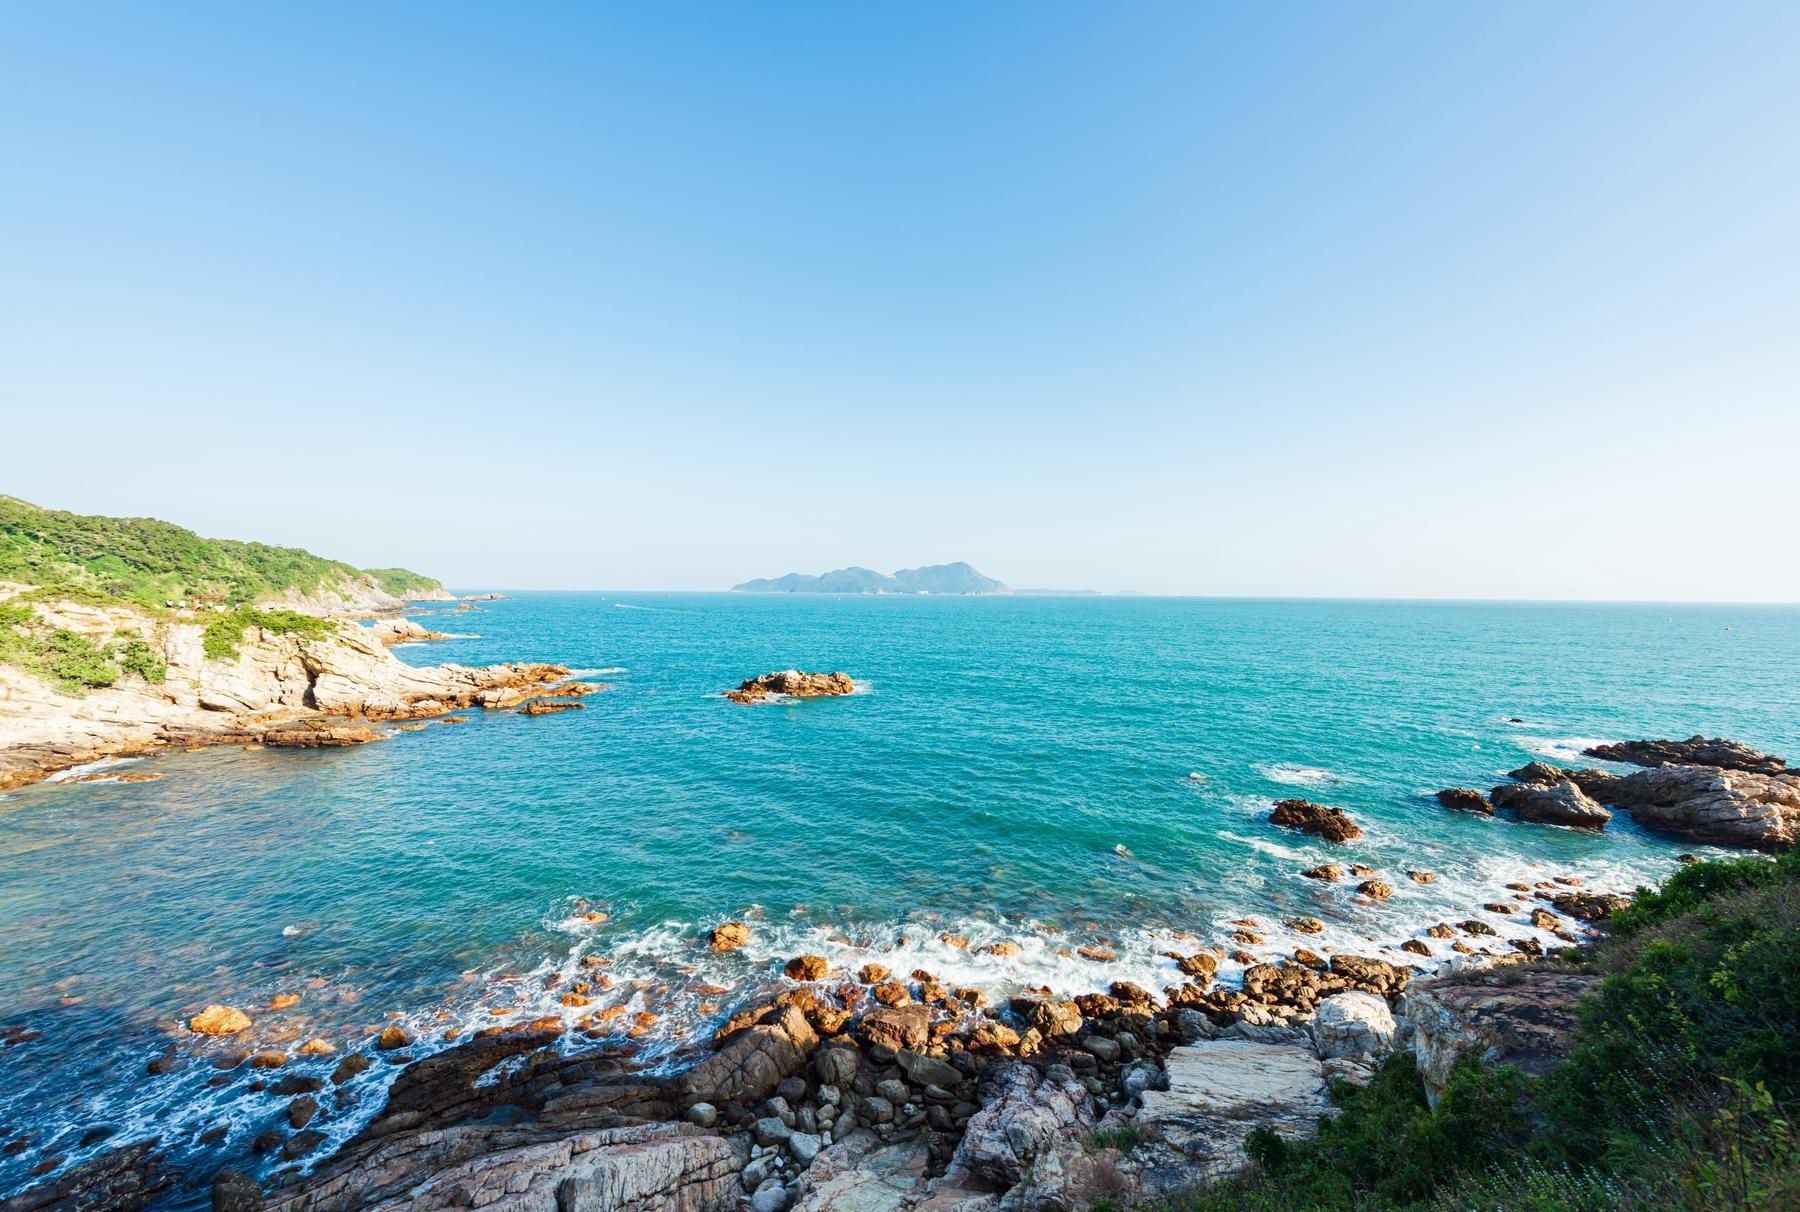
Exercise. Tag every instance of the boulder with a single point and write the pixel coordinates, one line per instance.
(1510, 1014)
(924, 1070)
(807, 968)
(750, 1064)
(1586, 906)
(1353, 1024)
(1559, 803)
(1464, 800)
(728, 936)
(219, 1020)
(1332, 824)
(896, 1027)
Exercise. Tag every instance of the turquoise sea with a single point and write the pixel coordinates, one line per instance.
(1056, 772)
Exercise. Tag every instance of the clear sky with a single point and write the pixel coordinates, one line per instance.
(1375, 299)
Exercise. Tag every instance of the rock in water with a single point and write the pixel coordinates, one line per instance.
(791, 682)
(1465, 800)
(1719, 806)
(1695, 751)
(219, 1020)
(1559, 803)
(728, 936)
(1332, 824)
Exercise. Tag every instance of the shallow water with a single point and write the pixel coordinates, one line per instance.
(1001, 752)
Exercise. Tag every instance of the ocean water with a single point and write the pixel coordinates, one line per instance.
(1056, 772)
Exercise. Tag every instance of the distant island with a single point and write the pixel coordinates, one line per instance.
(957, 578)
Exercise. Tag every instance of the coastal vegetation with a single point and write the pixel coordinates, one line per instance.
(146, 562)
(1679, 1091)
(69, 660)
(223, 632)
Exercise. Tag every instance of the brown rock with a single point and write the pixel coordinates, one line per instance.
(891, 993)
(1306, 925)
(1002, 948)
(1590, 906)
(1415, 946)
(1325, 871)
(1695, 751)
(728, 936)
(1465, 800)
(1332, 824)
(548, 707)
(807, 968)
(1375, 890)
(1559, 803)
(791, 682)
(873, 974)
(392, 1038)
(1421, 877)
(896, 1027)
(219, 1020)
(282, 1001)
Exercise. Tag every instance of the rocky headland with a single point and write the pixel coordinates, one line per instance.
(295, 681)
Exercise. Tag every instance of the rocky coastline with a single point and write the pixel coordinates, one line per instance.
(841, 1090)
(322, 686)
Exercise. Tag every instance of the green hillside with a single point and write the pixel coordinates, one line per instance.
(147, 561)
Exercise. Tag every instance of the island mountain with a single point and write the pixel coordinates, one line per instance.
(957, 578)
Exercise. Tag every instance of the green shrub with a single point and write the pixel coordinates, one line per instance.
(135, 656)
(95, 559)
(224, 631)
(72, 661)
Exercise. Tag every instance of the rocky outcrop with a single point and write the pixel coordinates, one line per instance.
(753, 1062)
(1721, 807)
(1558, 803)
(792, 683)
(1218, 1091)
(1516, 1015)
(1695, 751)
(1332, 824)
(1025, 1116)
(403, 631)
(275, 680)
(120, 1180)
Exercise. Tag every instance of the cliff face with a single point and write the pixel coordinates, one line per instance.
(338, 670)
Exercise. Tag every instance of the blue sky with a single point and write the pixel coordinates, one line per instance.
(1387, 300)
